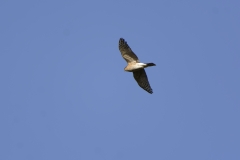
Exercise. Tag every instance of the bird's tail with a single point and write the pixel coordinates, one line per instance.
(150, 64)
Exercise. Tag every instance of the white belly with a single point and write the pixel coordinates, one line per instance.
(136, 66)
(139, 66)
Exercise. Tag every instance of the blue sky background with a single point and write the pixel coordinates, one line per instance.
(64, 93)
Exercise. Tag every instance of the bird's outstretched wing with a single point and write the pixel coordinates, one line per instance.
(142, 80)
(126, 52)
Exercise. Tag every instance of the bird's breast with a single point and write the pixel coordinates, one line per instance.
(134, 67)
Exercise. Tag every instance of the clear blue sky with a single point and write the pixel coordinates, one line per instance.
(65, 95)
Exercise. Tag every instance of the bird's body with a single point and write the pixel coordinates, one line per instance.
(131, 67)
(135, 66)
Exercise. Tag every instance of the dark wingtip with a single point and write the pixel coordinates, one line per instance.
(150, 91)
(121, 39)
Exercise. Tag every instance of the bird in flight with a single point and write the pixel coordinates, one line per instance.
(135, 66)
